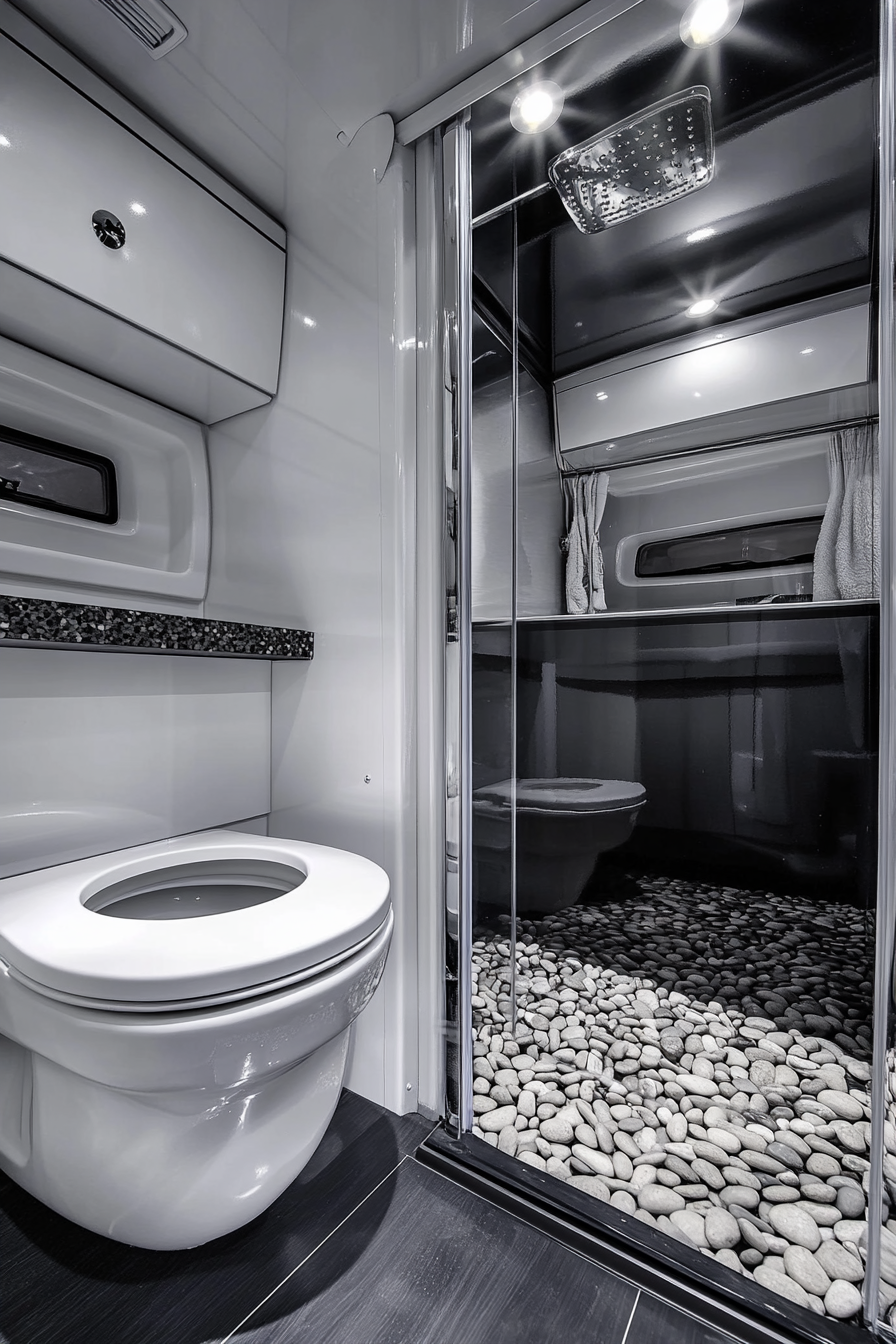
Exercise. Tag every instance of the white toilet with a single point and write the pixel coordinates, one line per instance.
(174, 1021)
(562, 826)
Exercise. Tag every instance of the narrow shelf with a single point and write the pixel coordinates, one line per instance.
(722, 612)
(34, 621)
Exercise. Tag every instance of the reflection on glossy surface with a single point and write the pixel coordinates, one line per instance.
(690, 1040)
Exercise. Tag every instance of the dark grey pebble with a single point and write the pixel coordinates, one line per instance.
(782, 1152)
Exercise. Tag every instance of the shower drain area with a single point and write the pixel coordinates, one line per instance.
(698, 1056)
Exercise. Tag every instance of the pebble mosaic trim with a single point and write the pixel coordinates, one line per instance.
(698, 1057)
(37, 621)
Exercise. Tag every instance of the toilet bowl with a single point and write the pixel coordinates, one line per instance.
(174, 1022)
(562, 826)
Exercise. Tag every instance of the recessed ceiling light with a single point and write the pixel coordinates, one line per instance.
(601, 396)
(707, 21)
(808, 350)
(700, 234)
(137, 208)
(4, 142)
(537, 107)
(702, 307)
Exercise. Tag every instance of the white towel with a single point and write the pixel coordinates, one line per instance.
(585, 498)
(847, 556)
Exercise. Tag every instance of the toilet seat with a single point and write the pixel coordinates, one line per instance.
(198, 1003)
(564, 795)
(54, 943)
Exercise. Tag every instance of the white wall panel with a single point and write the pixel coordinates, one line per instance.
(313, 505)
(540, 504)
(103, 750)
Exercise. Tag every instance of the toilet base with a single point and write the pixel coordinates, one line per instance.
(163, 1170)
(544, 882)
(556, 854)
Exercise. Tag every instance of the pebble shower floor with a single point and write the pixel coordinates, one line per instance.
(699, 1057)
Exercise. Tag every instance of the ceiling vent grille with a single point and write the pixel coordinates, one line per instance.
(151, 22)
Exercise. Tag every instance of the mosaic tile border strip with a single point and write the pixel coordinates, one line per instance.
(30, 620)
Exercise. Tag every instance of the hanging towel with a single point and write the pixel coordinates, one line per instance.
(847, 556)
(585, 498)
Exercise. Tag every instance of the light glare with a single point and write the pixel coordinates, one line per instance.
(708, 21)
(537, 107)
(700, 234)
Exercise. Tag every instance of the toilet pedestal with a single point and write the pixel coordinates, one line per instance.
(179, 1168)
(562, 826)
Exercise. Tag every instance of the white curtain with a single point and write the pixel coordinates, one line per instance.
(585, 498)
(847, 556)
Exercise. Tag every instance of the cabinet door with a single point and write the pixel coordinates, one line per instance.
(190, 270)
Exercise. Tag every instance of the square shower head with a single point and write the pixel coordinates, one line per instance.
(664, 152)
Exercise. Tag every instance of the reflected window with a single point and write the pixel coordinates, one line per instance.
(760, 546)
(48, 475)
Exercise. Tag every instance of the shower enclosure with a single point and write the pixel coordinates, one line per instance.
(668, 363)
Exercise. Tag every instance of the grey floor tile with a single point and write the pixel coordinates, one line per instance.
(656, 1322)
(423, 1261)
(62, 1285)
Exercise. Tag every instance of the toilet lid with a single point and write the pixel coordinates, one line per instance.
(51, 939)
(564, 795)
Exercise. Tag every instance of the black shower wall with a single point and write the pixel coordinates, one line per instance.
(754, 736)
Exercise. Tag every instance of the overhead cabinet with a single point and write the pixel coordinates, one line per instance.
(743, 377)
(117, 260)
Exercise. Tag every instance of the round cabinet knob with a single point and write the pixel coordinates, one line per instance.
(109, 229)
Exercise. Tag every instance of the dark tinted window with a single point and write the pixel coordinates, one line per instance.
(47, 475)
(790, 542)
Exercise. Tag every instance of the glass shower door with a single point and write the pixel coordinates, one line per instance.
(673, 747)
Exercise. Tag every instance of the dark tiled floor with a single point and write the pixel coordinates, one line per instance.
(62, 1285)
(366, 1247)
(446, 1268)
(655, 1322)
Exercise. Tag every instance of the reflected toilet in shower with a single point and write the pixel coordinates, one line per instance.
(562, 827)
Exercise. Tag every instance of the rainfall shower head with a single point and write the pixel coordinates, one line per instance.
(665, 152)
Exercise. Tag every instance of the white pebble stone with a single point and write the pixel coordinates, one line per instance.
(842, 1300)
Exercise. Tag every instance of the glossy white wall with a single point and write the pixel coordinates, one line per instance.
(229, 90)
(104, 750)
(538, 497)
(313, 506)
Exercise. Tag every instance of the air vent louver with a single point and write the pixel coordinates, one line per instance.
(151, 22)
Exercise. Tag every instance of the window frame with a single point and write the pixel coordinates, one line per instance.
(723, 568)
(52, 448)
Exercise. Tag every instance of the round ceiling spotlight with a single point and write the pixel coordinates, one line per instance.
(537, 107)
(707, 21)
(702, 307)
